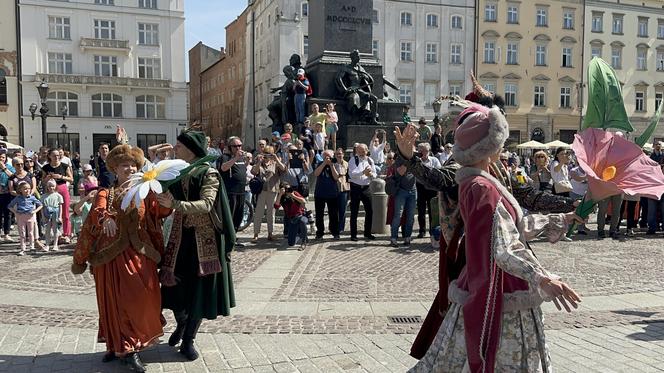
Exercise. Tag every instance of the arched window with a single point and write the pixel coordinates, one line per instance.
(150, 107)
(57, 100)
(106, 105)
(3, 87)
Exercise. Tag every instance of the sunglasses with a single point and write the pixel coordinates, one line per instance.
(541, 156)
(236, 146)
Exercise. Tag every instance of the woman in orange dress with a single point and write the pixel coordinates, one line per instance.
(123, 249)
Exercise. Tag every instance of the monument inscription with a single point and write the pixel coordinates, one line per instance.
(339, 25)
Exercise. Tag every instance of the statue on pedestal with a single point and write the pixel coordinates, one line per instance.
(355, 85)
(282, 108)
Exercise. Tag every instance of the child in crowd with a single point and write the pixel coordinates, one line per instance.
(331, 126)
(82, 208)
(52, 213)
(25, 206)
(87, 181)
(319, 139)
(295, 219)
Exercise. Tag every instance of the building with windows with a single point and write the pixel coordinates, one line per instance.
(107, 62)
(629, 35)
(531, 53)
(425, 48)
(9, 70)
(218, 83)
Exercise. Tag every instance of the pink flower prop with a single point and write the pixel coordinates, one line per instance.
(615, 166)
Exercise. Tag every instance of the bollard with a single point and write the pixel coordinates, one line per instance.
(379, 203)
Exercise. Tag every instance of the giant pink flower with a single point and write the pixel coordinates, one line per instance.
(615, 166)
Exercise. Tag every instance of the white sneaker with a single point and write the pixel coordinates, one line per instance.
(8, 238)
(21, 253)
(55, 248)
(46, 248)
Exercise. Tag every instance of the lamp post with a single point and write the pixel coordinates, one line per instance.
(42, 89)
(436, 104)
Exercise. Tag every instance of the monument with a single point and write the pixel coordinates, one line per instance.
(342, 69)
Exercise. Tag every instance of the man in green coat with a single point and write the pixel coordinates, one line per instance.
(195, 270)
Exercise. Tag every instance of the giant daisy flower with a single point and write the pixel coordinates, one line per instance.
(150, 178)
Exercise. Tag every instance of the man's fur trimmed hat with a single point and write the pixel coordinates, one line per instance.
(481, 132)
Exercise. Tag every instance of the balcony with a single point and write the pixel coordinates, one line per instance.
(105, 45)
(117, 81)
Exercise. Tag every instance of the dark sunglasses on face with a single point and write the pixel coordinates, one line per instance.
(236, 146)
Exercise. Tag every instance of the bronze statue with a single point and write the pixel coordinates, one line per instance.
(355, 84)
(282, 110)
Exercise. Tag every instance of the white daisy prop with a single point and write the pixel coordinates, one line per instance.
(150, 178)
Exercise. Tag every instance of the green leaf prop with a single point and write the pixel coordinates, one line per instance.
(584, 210)
(206, 159)
(641, 140)
(606, 108)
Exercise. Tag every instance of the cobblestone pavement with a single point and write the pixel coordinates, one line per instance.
(328, 308)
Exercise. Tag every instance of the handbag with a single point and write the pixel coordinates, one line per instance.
(562, 186)
(256, 185)
(391, 186)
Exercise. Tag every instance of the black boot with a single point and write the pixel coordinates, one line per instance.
(187, 347)
(134, 362)
(108, 356)
(181, 319)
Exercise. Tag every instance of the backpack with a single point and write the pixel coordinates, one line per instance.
(302, 188)
(310, 90)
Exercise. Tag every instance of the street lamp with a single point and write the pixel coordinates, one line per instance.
(63, 127)
(436, 104)
(42, 89)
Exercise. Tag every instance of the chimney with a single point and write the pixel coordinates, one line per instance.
(223, 50)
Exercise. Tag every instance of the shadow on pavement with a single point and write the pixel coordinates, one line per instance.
(644, 314)
(653, 331)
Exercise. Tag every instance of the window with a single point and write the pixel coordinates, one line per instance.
(104, 29)
(305, 9)
(455, 53)
(432, 53)
(491, 87)
(56, 100)
(3, 87)
(660, 29)
(643, 27)
(104, 2)
(540, 55)
(617, 27)
(374, 16)
(640, 101)
(405, 91)
(616, 58)
(568, 20)
(660, 60)
(455, 89)
(457, 23)
(567, 57)
(149, 68)
(565, 97)
(539, 96)
(512, 14)
(144, 141)
(658, 99)
(641, 59)
(106, 66)
(541, 20)
(430, 94)
(148, 34)
(375, 45)
(305, 45)
(489, 52)
(490, 13)
(68, 141)
(150, 107)
(597, 23)
(596, 51)
(150, 4)
(432, 20)
(59, 63)
(406, 19)
(59, 28)
(510, 94)
(107, 105)
(512, 54)
(406, 51)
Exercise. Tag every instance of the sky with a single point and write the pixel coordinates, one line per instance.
(205, 20)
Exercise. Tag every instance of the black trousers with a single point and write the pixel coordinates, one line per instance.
(424, 197)
(631, 210)
(332, 213)
(5, 214)
(236, 203)
(359, 194)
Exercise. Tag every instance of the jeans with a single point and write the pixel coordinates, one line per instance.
(300, 99)
(654, 206)
(404, 200)
(297, 227)
(332, 213)
(359, 193)
(342, 202)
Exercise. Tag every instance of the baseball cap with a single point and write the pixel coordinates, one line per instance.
(276, 134)
(87, 167)
(300, 72)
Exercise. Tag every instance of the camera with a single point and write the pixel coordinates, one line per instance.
(289, 189)
(295, 152)
(334, 160)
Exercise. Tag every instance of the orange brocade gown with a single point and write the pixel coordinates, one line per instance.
(125, 272)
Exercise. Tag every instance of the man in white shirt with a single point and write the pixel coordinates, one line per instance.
(424, 195)
(377, 148)
(361, 170)
(445, 154)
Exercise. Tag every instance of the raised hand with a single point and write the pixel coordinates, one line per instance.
(406, 140)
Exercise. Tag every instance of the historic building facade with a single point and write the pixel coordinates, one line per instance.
(531, 53)
(629, 35)
(9, 69)
(218, 82)
(107, 62)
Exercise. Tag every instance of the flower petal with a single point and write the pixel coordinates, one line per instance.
(168, 175)
(126, 200)
(144, 189)
(156, 186)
